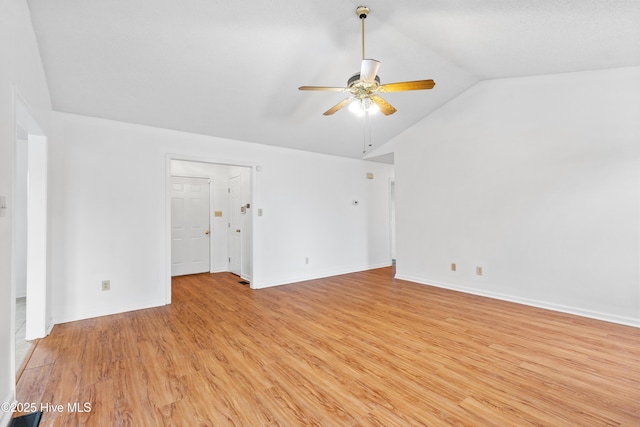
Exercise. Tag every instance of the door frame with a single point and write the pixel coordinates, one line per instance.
(39, 321)
(166, 182)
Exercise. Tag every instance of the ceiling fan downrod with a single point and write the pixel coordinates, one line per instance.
(362, 12)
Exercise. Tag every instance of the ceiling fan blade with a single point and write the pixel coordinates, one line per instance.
(402, 86)
(323, 88)
(369, 70)
(386, 108)
(338, 106)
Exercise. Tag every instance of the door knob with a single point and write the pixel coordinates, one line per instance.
(206, 232)
(238, 230)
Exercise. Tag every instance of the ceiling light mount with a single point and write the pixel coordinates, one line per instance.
(362, 12)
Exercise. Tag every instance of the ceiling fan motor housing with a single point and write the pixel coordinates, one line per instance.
(356, 78)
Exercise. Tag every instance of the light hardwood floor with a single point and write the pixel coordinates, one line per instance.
(358, 349)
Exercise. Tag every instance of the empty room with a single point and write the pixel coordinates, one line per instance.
(320, 213)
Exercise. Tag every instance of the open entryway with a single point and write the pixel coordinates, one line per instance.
(31, 311)
(212, 232)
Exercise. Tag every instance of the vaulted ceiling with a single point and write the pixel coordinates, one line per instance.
(232, 69)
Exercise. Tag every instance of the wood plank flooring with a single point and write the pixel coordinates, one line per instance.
(359, 349)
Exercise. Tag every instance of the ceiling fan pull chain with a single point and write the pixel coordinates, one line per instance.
(366, 126)
(369, 126)
(364, 131)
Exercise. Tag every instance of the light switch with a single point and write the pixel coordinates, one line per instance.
(259, 211)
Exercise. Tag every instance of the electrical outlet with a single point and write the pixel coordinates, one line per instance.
(479, 271)
(453, 266)
(106, 285)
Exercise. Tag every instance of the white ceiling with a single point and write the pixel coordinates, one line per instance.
(232, 69)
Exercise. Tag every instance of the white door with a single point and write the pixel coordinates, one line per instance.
(234, 230)
(189, 225)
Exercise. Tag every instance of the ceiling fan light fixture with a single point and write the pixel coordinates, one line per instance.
(365, 87)
(362, 106)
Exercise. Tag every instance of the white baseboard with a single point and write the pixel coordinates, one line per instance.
(607, 317)
(318, 275)
(74, 317)
(50, 326)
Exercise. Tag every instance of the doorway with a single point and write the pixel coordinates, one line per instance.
(22, 346)
(221, 176)
(31, 309)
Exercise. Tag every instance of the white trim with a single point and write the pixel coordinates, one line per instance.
(109, 312)
(166, 178)
(623, 320)
(321, 275)
(38, 288)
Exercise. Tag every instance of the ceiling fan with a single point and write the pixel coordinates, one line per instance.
(365, 85)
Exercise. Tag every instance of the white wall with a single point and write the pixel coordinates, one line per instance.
(109, 185)
(21, 72)
(535, 179)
